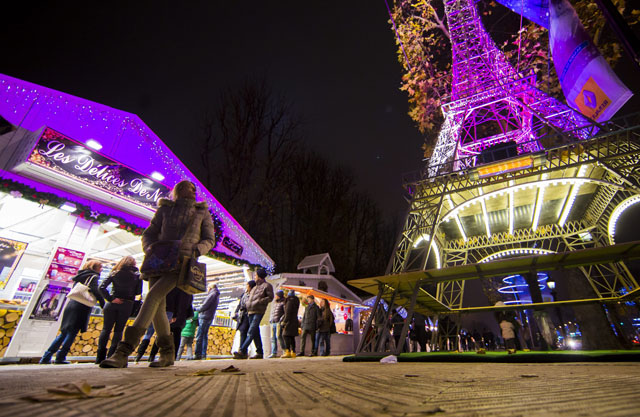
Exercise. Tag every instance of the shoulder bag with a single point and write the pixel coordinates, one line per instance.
(193, 276)
(81, 293)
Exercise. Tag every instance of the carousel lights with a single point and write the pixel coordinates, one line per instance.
(613, 220)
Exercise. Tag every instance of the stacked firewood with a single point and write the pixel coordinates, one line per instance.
(86, 344)
(8, 322)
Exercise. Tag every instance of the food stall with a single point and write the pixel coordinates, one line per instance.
(316, 280)
(81, 180)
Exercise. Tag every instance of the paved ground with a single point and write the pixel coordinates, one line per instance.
(329, 387)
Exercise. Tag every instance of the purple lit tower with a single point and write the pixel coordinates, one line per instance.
(515, 173)
(491, 103)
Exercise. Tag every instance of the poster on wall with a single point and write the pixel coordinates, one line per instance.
(10, 253)
(64, 266)
(50, 303)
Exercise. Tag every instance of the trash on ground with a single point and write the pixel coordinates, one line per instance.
(389, 359)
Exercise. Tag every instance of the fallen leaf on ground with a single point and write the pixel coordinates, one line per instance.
(411, 376)
(529, 376)
(72, 391)
(230, 368)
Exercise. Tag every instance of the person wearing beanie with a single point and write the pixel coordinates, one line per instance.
(277, 311)
(257, 302)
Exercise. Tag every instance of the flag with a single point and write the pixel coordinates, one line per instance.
(588, 82)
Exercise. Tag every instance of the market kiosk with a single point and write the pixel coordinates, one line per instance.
(316, 279)
(81, 180)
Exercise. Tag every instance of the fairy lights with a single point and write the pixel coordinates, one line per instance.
(617, 212)
(124, 137)
(515, 252)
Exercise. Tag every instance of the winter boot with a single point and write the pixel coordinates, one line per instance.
(144, 344)
(101, 355)
(128, 343)
(167, 351)
(153, 352)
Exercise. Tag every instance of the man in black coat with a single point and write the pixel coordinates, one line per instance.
(309, 325)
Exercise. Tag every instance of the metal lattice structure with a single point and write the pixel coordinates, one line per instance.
(549, 198)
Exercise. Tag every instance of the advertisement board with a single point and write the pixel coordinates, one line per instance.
(10, 253)
(65, 156)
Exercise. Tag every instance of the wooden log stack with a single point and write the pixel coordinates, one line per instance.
(9, 320)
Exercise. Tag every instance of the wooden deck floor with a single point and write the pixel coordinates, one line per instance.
(328, 387)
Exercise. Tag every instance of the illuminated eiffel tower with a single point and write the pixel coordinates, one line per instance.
(514, 172)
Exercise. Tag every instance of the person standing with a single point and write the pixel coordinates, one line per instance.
(75, 317)
(309, 325)
(290, 325)
(187, 335)
(420, 325)
(397, 322)
(277, 311)
(181, 219)
(326, 321)
(125, 285)
(207, 312)
(259, 298)
(241, 315)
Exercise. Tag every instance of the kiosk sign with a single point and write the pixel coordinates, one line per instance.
(65, 156)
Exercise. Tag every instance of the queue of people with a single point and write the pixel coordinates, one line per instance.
(167, 310)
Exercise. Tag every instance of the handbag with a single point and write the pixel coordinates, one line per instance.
(82, 294)
(163, 257)
(135, 309)
(192, 279)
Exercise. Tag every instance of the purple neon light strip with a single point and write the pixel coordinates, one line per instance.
(32, 106)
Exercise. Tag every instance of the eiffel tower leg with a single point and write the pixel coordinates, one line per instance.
(407, 320)
(376, 331)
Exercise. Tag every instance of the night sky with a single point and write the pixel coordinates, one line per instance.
(168, 62)
(336, 61)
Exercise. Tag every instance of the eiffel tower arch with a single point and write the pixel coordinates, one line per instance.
(514, 172)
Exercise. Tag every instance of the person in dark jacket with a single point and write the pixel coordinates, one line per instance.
(241, 315)
(75, 317)
(257, 302)
(181, 219)
(397, 322)
(290, 324)
(310, 325)
(277, 311)
(206, 314)
(126, 284)
(326, 319)
(420, 324)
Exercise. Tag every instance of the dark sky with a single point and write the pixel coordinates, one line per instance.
(335, 60)
(169, 61)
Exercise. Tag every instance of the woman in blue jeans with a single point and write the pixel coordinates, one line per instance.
(325, 323)
(75, 317)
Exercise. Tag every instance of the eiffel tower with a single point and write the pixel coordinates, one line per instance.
(514, 172)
